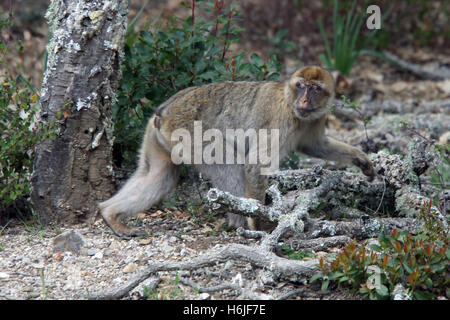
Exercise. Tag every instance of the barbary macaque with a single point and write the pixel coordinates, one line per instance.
(296, 109)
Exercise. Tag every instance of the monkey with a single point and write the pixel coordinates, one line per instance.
(297, 108)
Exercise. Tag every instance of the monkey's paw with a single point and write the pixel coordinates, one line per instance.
(122, 230)
(366, 167)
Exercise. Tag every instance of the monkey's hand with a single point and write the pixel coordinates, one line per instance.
(366, 166)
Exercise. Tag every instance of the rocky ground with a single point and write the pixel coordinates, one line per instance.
(39, 263)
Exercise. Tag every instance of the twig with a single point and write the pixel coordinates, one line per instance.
(296, 292)
(124, 290)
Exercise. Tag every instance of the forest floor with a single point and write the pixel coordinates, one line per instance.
(183, 227)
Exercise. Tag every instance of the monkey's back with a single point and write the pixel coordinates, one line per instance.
(225, 105)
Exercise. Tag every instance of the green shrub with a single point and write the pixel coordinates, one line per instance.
(419, 262)
(19, 132)
(183, 53)
(347, 42)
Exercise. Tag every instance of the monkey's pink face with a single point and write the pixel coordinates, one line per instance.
(311, 101)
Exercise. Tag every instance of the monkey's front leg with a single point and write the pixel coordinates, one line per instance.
(255, 188)
(331, 149)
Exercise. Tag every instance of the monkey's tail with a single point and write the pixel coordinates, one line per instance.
(142, 191)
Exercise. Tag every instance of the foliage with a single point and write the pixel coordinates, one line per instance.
(296, 255)
(420, 262)
(278, 44)
(189, 52)
(348, 103)
(19, 131)
(346, 44)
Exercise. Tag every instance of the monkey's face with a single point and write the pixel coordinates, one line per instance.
(311, 90)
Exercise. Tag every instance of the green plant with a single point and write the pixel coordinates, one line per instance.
(348, 103)
(20, 131)
(419, 262)
(296, 255)
(278, 44)
(346, 44)
(183, 53)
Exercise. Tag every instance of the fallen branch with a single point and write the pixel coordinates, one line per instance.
(291, 269)
(435, 74)
(319, 244)
(121, 292)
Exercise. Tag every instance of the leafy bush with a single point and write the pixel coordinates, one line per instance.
(19, 134)
(419, 262)
(189, 52)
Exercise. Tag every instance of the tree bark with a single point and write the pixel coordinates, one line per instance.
(74, 171)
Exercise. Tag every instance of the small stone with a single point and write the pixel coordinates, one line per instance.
(114, 245)
(145, 241)
(68, 241)
(142, 215)
(98, 255)
(57, 256)
(4, 275)
(203, 296)
(173, 239)
(91, 252)
(130, 268)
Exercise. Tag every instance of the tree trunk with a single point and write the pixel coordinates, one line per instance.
(74, 172)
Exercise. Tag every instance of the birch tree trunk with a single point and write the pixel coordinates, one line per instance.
(74, 172)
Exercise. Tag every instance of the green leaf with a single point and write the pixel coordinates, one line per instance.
(256, 60)
(209, 75)
(382, 290)
(325, 284)
(376, 248)
(315, 277)
(423, 295)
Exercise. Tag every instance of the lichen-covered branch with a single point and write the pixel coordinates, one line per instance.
(435, 74)
(291, 269)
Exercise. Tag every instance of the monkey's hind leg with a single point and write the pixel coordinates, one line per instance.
(148, 185)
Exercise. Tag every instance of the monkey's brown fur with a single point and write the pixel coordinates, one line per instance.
(297, 107)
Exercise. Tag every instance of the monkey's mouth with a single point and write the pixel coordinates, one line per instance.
(304, 112)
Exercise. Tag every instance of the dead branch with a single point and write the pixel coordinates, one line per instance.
(435, 74)
(291, 269)
(290, 294)
(319, 244)
(120, 292)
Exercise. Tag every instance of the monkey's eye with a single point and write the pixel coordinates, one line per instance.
(300, 85)
(316, 88)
